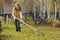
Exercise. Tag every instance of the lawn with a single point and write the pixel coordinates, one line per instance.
(9, 33)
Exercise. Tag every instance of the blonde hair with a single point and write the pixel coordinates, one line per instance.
(18, 5)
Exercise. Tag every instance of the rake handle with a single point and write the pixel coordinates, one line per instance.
(26, 24)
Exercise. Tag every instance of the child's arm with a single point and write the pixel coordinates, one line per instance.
(13, 13)
(21, 17)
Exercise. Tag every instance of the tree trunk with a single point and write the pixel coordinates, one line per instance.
(48, 8)
(45, 7)
(41, 8)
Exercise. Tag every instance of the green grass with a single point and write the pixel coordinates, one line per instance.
(9, 33)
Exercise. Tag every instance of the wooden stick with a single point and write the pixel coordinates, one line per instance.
(26, 24)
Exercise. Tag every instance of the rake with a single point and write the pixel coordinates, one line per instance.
(35, 30)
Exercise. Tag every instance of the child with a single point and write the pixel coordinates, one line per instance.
(17, 14)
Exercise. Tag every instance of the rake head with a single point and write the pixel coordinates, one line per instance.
(38, 33)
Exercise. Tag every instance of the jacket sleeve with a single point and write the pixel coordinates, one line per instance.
(13, 14)
(21, 15)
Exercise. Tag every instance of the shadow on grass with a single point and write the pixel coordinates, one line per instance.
(5, 37)
(5, 28)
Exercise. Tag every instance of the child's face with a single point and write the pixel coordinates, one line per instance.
(17, 7)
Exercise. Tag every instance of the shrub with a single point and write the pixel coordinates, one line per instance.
(56, 23)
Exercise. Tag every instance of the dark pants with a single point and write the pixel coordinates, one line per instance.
(5, 17)
(32, 14)
(17, 24)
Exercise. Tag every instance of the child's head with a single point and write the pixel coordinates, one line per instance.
(17, 6)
